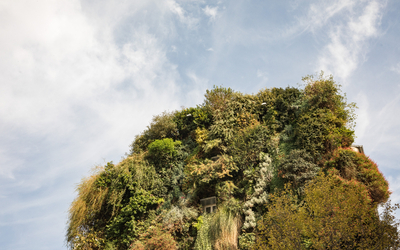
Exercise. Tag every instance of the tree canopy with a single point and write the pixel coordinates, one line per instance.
(278, 156)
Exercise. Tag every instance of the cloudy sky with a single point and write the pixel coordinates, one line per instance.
(80, 78)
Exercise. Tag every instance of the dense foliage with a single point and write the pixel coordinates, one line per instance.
(344, 219)
(278, 163)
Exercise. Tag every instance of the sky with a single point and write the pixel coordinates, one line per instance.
(80, 78)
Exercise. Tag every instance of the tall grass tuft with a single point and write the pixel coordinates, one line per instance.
(88, 202)
(100, 198)
(219, 230)
(224, 229)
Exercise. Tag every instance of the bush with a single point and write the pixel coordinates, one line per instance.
(155, 239)
(162, 126)
(163, 151)
(248, 143)
(357, 166)
(189, 119)
(298, 168)
(324, 93)
(334, 214)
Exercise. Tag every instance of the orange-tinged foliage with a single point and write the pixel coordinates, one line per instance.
(352, 165)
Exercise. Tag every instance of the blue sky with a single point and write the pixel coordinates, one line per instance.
(80, 78)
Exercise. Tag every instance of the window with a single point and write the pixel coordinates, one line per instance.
(209, 204)
(357, 148)
(210, 209)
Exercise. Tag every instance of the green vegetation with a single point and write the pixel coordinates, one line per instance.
(341, 220)
(278, 163)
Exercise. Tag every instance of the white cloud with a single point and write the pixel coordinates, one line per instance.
(345, 27)
(79, 93)
(56, 60)
(262, 75)
(348, 43)
(212, 12)
(184, 17)
(379, 134)
(9, 164)
(319, 14)
(396, 68)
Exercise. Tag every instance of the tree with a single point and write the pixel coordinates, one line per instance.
(334, 214)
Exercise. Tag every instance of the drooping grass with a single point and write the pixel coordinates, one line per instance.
(88, 202)
(224, 229)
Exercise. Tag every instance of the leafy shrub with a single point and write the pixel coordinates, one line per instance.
(155, 239)
(248, 143)
(343, 219)
(210, 170)
(163, 151)
(324, 93)
(112, 202)
(319, 132)
(298, 168)
(178, 217)
(357, 166)
(162, 126)
(123, 227)
(189, 119)
(247, 241)
(218, 98)
(325, 120)
(284, 104)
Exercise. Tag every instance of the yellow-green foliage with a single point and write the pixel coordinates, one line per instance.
(224, 229)
(89, 201)
(333, 215)
(201, 135)
(162, 126)
(162, 152)
(210, 170)
(219, 230)
(189, 119)
(240, 148)
(105, 196)
(155, 239)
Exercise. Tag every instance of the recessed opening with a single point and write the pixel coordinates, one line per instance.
(209, 204)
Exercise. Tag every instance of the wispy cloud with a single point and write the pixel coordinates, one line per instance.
(396, 68)
(377, 129)
(211, 12)
(320, 13)
(348, 45)
(72, 93)
(394, 187)
(262, 75)
(344, 29)
(184, 17)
